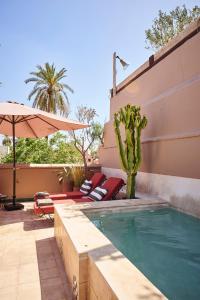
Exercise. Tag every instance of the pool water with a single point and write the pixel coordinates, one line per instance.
(164, 244)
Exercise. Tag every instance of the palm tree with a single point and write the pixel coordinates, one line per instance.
(48, 91)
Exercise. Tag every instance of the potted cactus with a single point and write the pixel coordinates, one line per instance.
(130, 150)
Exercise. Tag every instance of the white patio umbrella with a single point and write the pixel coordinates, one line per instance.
(18, 120)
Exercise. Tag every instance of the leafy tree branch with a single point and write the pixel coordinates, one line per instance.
(85, 138)
(168, 25)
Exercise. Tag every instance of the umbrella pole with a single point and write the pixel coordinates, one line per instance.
(14, 162)
(13, 205)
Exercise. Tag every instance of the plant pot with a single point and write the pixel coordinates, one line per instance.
(67, 186)
(76, 188)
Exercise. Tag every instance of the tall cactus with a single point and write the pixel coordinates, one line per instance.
(130, 150)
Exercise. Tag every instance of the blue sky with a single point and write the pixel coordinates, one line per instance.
(78, 35)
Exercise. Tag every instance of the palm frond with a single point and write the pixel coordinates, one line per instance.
(67, 87)
(61, 74)
(64, 105)
(38, 75)
(66, 97)
(34, 91)
(40, 83)
(31, 79)
(41, 100)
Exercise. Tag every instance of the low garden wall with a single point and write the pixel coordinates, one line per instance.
(32, 178)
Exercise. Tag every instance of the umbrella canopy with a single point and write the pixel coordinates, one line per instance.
(31, 122)
(18, 120)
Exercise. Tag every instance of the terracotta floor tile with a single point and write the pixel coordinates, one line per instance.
(10, 260)
(8, 278)
(30, 262)
(28, 273)
(29, 291)
(27, 259)
(8, 293)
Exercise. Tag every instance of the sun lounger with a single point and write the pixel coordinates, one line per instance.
(112, 185)
(96, 179)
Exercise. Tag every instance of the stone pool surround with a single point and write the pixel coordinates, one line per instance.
(95, 268)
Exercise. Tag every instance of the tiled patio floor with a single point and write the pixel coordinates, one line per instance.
(30, 264)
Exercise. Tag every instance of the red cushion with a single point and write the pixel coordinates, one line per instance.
(50, 209)
(43, 210)
(82, 200)
(97, 179)
(112, 185)
(68, 195)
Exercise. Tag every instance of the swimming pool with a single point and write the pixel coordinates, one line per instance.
(163, 243)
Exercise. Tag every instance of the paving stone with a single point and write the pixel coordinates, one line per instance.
(31, 266)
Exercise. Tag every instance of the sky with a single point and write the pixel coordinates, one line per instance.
(78, 35)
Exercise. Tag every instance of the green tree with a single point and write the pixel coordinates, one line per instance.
(64, 151)
(168, 25)
(48, 92)
(85, 138)
(31, 151)
(57, 150)
(99, 132)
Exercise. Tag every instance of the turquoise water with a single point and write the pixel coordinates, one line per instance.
(164, 244)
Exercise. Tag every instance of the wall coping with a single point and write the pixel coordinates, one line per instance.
(43, 166)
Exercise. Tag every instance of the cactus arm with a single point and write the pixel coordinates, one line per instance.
(137, 151)
(141, 124)
(130, 152)
(120, 144)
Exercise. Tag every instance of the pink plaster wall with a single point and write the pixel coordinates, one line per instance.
(169, 95)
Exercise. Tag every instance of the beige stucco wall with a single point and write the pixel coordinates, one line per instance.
(169, 95)
(29, 181)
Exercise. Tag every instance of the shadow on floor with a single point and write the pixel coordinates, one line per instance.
(38, 224)
(53, 280)
(29, 219)
(11, 217)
